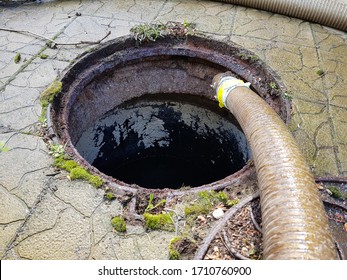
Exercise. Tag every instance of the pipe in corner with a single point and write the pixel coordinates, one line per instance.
(295, 225)
(331, 13)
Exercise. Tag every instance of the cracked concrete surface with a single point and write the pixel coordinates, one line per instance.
(49, 217)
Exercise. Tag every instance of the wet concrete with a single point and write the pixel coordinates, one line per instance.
(50, 217)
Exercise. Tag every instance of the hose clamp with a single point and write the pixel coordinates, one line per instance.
(226, 85)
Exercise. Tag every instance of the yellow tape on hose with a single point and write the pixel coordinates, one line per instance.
(225, 88)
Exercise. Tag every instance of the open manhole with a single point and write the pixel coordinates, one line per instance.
(144, 115)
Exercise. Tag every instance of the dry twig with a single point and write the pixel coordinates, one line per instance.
(331, 179)
(52, 43)
(255, 223)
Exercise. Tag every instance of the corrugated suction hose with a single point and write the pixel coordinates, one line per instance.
(295, 225)
(331, 13)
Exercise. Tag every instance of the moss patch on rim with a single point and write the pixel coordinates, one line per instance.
(47, 97)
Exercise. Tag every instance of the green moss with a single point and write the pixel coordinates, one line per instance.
(213, 196)
(336, 193)
(320, 72)
(198, 208)
(67, 165)
(231, 203)
(47, 97)
(96, 181)
(223, 197)
(180, 246)
(273, 85)
(288, 96)
(159, 221)
(81, 173)
(173, 252)
(17, 58)
(3, 149)
(206, 201)
(248, 57)
(43, 56)
(109, 196)
(77, 172)
(119, 224)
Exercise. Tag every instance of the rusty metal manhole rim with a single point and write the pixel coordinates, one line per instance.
(213, 51)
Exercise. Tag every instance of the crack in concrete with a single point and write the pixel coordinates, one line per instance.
(12, 222)
(11, 243)
(38, 232)
(71, 205)
(30, 60)
(20, 183)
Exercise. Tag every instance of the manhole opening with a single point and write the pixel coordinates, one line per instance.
(146, 114)
(165, 141)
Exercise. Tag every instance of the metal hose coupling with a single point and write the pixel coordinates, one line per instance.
(295, 225)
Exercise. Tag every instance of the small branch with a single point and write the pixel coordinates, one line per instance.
(174, 222)
(26, 32)
(255, 223)
(200, 254)
(132, 210)
(53, 43)
(331, 179)
(85, 42)
(335, 205)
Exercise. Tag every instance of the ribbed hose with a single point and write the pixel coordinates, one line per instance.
(331, 13)
(295, 225)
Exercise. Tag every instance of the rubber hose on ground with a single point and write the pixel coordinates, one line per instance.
(295, 225)
(331, 13)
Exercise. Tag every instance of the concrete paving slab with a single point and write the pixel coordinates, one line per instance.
(68, 239)
(272, 27)
(8, 233)
(9, 201)
(7, 65)
(21, 160)
(133, 10)
(210, 17)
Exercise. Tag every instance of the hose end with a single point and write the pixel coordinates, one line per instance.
(217, 79)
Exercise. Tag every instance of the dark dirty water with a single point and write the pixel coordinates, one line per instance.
(166, 142)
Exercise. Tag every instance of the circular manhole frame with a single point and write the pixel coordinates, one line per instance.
(225, 56)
